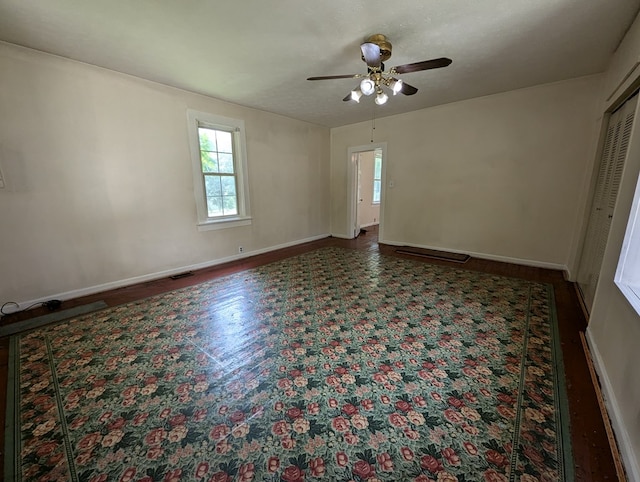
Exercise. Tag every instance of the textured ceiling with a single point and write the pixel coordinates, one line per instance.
(259, 53)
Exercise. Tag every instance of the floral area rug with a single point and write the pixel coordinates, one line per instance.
(336, 365)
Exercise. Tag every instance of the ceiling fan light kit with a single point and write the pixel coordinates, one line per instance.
(375, 50)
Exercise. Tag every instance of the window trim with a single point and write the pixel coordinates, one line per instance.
(236, 127)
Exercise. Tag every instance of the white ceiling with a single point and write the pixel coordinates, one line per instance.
(259, 53)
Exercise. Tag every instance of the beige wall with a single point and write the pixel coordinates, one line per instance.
(614, 326)
(499, 176)
(99, 183)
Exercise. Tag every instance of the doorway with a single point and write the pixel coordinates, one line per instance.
(366, 188)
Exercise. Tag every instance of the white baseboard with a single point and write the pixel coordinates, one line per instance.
(491, 257)
(68, 295)
(630, 459)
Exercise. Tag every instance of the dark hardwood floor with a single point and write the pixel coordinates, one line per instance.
(591, 451)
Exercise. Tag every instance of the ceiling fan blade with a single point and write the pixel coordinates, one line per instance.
(329, 77)
(371, 54)
(424, 65)
(408, 89)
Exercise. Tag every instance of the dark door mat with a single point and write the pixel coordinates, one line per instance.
(432, 253)
(32, 323)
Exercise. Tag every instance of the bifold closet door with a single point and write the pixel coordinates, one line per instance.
(612, 161)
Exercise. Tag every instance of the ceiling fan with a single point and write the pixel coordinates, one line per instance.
(375, 50)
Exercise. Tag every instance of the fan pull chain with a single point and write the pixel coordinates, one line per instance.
(373, 123)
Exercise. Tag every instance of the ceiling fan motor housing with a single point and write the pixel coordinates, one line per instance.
(382, 42)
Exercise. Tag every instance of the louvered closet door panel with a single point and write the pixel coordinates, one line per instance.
(597, 206)
(604, 201)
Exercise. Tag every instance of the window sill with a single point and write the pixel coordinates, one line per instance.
(631, 293)
(225, 223)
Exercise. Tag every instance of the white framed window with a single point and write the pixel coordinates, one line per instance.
(627, 276)
(219, 163)
(377, 176)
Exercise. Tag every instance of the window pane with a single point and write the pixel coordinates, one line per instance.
(209, 161)
(377, 168)
(207, 139)
(214, 206)
(376, 191)
(230, 205)
(212, 186)
(226, 163)
(228, 185)
(225, 143)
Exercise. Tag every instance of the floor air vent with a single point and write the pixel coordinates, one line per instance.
(435, 254)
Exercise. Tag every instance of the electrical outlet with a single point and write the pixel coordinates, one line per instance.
(240, 249)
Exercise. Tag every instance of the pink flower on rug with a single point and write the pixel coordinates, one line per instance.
(317, 467)
(288, 443)
(492, 476)
(89, 441)
(112, 438)
(246, 472)
(154, 453)
(223, 447)
(280, 428)
(367, 404)
(446, 477)
(533, 455)
(411, 434)
(219, 432)
(363, 469)
(496, 458)
(301, 425)
(342, 459)
(128, 474)
(385, 462)
(202, 469)
(403, 406)
(451, 456)
(78, 422)
(506, 412)
(351, 439)
(46, 449)
(453, 416)
(313, 408)
(292, 474)
(359, 422)
(398, 420)
(470, 448)
(220, 476)
(430, 463)
(340, 424)
(294, 412)
(273, 464)
(237, 416)
(423, 478)
(407, 453)
(139, 419)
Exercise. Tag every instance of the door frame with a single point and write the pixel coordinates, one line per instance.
(352, 187)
